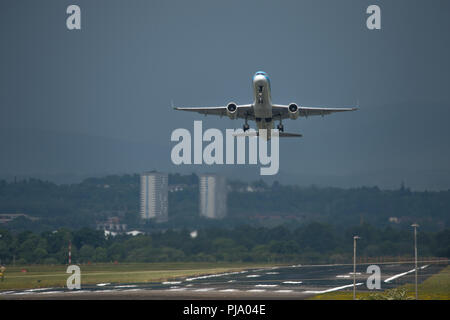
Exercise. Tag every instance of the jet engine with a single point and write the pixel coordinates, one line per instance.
(293, 111)
(232, 110)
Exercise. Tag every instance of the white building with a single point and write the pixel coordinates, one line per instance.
(154, 196)
(213, 196)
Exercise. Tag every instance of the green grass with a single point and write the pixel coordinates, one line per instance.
(42, 276)
(436, 287)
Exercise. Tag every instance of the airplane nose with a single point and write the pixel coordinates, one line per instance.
(259, 80)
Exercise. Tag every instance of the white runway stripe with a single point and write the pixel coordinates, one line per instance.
(204, 289)
(256, 290)
(214, 275)
(333, 289)
(228, 290)
(7, 292)
(127, 286)
(39, 289)
(403, 274)
(266, 285)
(51, 292)
(131, 290)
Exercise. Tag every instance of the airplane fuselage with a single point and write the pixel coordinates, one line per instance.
(262, 103)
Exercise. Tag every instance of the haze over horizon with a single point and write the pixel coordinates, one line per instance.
(97, 101)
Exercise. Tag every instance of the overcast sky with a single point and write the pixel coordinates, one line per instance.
(114, 79)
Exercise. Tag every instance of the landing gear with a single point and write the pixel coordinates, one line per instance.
(280, 127)
(246, 126)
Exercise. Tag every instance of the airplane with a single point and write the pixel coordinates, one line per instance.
(263, 111)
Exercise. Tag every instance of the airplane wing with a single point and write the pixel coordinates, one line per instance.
(243, 111)
(256, 134)
(283, 111)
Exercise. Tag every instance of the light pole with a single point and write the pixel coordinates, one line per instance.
(415, 225)
(354, 266)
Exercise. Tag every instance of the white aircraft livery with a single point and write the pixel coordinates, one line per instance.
(263, 111)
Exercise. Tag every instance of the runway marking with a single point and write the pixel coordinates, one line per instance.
(343, 276)
(256, 290)
(126, 286)
(253, 276)
(284, 291)
(131, 290)
(403, 274)
(50, 292)
(228, 290)
(266, 285)
(7, 292)
(22, 292)
(102, 284)
(333, 289)
(292, 282)
(214, 275)
(272, 273)
(178, 289)
(204, 289)
(39, 289)
(78, 291)
(171, 282)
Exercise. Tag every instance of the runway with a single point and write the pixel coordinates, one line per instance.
(289, 282)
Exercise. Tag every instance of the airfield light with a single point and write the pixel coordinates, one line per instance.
(354, 266)
(415, 225)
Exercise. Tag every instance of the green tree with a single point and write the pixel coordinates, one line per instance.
(87, 253)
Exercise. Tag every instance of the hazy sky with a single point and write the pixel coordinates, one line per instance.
(115, 78)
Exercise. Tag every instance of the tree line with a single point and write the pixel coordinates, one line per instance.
(84, 204)
(311, 243)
